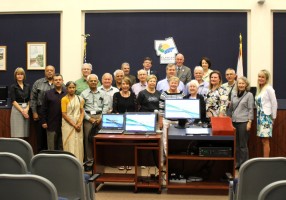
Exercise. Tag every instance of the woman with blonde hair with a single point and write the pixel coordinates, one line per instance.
(266, 103)
(172, 93)
(20, 98)
(148, 99)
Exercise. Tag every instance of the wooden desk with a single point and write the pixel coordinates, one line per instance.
(5, 129)
(127, 150)
(183, 158)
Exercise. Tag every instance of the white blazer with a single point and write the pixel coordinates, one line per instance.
(269, 101)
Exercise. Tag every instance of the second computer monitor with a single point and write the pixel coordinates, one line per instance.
(140, 122)
(182, 109)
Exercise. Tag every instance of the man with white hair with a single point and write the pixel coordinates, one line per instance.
(125, 67)
(81, 84)
(118, 76)
(107, 89)
(95, 104)
(137, 87)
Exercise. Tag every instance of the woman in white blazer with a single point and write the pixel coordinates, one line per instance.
(266, 104)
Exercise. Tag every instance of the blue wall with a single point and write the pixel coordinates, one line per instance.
(121, 37)
(17, 30)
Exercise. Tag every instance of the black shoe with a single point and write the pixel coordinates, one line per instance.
(87, 168)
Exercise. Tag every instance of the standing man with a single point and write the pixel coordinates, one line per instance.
(163, 85)
(107, 89)
(118, 76)
(52, 113)
(147, 66)
(37, 99)
(125, 67)
(137, 87)
(81, 84)
(95, 104)
(230, 85)
(183, 72)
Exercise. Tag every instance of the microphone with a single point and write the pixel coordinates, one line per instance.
(157, 120)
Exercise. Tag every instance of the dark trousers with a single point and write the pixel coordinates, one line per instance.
(41, 135)
(242, 136)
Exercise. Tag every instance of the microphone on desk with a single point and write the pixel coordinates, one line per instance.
(157, 121)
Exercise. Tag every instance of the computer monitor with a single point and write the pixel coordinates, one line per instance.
(140, 122)
(3, 95)
(113, 121)
(182, 109)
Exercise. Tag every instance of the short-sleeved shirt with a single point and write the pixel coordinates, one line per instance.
(20, 95)
(81, 85)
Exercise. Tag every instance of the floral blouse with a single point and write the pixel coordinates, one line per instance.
(216, 102)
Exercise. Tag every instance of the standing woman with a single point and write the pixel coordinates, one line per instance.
(241, 109)
(73, 113)
(172, 93)
(266, 103)
(206, 65)
(217, 99)
(148, 99)
(124, 100)
(20, 98)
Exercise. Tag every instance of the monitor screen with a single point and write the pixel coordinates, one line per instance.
(140, 122)
(114, 121)
(182, 109)
(3, 93)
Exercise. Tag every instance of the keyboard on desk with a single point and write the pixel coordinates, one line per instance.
(197, 131)
(110, 131)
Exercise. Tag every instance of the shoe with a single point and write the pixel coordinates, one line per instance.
(87, 168)
(121, 167)
(128, 168)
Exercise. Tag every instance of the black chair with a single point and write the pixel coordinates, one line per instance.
(255, 174)
(12, 164)
(19, 147)
(66, 173)
(274, 191)
(26, 187)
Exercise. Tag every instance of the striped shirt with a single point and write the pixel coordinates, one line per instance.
(166, 95)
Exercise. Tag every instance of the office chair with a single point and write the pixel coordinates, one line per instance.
(65, 172)
(274, 191)
(255, 174)
(89, 179)
(12, 164)
(26, 187)
(19, 147)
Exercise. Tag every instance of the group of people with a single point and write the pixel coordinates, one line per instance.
(68, 115)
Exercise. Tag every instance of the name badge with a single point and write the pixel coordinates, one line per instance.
(24, 105)
(93, 112)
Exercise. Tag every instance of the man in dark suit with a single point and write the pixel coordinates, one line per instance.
(184, 73)
(125, 67)
(147, 65)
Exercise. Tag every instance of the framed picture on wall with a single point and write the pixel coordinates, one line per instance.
(3, 55)
(36, 55)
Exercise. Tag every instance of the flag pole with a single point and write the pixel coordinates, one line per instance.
(84, 46)
(239, 70)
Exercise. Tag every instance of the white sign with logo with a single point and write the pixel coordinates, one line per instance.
(166, 49)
